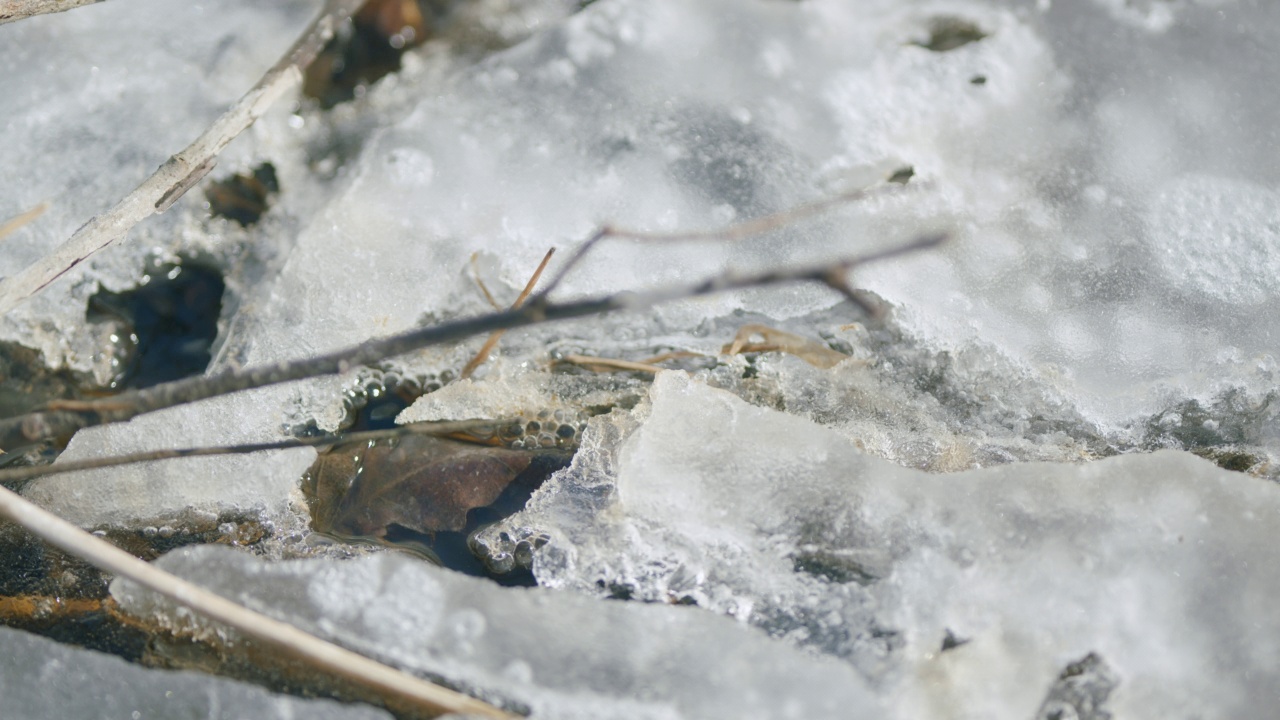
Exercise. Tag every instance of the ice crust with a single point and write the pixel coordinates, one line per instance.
(91, 103)
(40, 678)
(1160, 564)
(559, 655)
(1106, 170)
(1112, 229)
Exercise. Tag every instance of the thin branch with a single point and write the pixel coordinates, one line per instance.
(744, 229)
(14, 10)
(446, 428)
(182, 171)
(12, 224)
(396, 688)
(599, 364)
(38, 426)
(496, 335)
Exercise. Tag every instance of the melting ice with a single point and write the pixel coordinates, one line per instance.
(1106, 172)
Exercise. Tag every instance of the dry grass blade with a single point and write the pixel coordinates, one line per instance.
(398, 689)
(599, 364)
(182, 171)
(774, 340)
(11, 225)
(496, 335)
(475, 275)
(13, 10)
(648, 365)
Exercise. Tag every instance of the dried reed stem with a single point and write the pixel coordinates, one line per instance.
(395, 687)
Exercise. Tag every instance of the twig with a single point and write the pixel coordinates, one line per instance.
(447, 428)
(42, 425)
(12, 224)
(496, 335)
(747, 228)
(182, 171)
(599, 364)
(396, 688)
(13, 10)
(648, 365)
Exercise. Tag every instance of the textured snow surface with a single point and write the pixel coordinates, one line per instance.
(1108, 193)
(558, 654)
(43, 679)
(1106, 171)
(91, 103)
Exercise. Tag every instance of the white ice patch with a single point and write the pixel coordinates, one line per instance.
(560, 655)
(1219, 237)
(1152, 562)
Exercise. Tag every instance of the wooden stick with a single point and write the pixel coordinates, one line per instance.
(395, 687)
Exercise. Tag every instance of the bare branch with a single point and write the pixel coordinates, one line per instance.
(52, 423)
(182, 171)
(14, 10)
(738, 231)
(398, 689)
(447, 428)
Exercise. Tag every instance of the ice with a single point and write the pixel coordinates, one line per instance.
(559, 655)
(1106, 173)
(42, 679)
(1159, 564)
(93, 102)
(261, 268)
(1110, 260)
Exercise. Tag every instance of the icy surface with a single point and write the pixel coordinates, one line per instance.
(1107, 173)
(1159, 564)
(1110, 198)
(43, 679)
(559, 655)
(91, 103)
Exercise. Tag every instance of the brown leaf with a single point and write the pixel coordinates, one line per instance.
(425, 484)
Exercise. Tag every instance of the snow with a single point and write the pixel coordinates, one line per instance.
(40, 678)
(1160, 564)
(1157, 565)
(557, 654)
(1106, 173)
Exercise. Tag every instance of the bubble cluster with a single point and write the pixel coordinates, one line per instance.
(545, 430)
